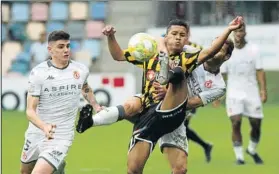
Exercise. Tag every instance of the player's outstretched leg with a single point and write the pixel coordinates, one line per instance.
(104, 117)
(108, 115)
(237, 139)
(254, 139)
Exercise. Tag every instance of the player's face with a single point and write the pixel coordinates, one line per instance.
(239, 34)
(60, 50)
(176, 38)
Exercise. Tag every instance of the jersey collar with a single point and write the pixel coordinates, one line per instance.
(50, 64)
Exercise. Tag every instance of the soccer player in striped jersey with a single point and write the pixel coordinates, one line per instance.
(52, 104)
(190, 133)
(158, 117)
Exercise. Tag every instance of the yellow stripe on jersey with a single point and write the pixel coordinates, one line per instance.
(196, 45)
(132, 59)
(191, 62)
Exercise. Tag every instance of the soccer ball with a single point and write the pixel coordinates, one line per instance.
(142, 46)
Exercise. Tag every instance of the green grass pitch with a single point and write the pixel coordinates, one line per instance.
(103, 150)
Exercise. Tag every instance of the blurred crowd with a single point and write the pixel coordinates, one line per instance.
(25, 26)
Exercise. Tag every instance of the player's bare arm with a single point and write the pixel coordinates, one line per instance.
(114, 48)
(262, 84)
(88, 94)
(216, 46)
(32, 103)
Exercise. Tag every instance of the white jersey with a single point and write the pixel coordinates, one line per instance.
(206, 85)
(59, 95)
(241, 71)
(203, 83)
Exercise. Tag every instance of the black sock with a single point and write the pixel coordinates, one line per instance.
(176, 75)
(192, 135)
(121, 111)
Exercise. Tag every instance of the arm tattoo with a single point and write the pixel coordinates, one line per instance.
(86, 94)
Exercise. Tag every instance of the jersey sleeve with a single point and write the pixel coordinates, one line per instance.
(211, 95)
(259, 62)
(34, 84)
(191, 61)
(132, 59)
(224, 67)
(216, 91)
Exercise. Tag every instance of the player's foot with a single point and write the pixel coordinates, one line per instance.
(85, 120)
(240, 162)
(257, 159)
(207, 152)
(164, 68)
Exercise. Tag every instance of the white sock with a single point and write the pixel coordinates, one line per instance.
(238, 150)
(252, 147)
(106, 116)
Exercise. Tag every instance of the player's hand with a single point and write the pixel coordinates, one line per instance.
(263, 96)
(236, 23)
(108, 30)
(159, 92)
(49, 130)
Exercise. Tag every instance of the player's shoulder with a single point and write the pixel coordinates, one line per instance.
(190, 49)
(195, 45)
(39, 70)
(253, 49)
(80, 66)
(41, 67)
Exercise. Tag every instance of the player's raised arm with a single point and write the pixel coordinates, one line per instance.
(114, 48)
(205, 54)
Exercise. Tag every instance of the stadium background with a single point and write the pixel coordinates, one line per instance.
(103, 150)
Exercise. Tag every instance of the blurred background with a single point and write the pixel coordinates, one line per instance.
(24, 29)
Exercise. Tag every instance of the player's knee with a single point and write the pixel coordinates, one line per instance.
(133, 168)
(25, 170)
(179, 169)
(128, 107)
(236, 124)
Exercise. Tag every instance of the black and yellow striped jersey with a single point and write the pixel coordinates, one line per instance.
(151, 68)
(195, 45)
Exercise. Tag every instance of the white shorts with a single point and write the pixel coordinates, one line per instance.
(250, 107)
(37, 146)
(177, 139)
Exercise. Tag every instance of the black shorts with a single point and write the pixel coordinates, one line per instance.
(153, 123)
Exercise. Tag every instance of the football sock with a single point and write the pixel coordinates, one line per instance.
(176, 75)
(192, 135)
(238, 150)
(108, 115)
(252, 147)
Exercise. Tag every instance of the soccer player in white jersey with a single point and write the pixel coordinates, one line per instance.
(244, 98)
(52, 104)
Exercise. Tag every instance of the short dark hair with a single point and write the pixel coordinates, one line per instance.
(58, 35)
(178, 22)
